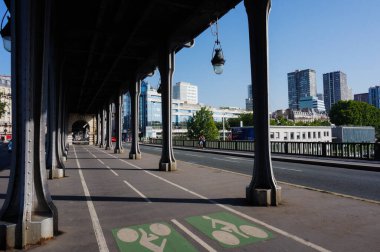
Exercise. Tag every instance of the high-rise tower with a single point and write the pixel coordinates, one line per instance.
(301, 84)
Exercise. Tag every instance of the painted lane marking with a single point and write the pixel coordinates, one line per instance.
(91, 208)
(194, 236)
(192, 155)
(277, 230)
(154, 237)
(229, 230)
(109, 168)
(226, 160)
(287, 169)
(138, 192)
(239, 158)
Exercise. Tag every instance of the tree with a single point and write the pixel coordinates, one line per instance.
(202, 123)
(355, 113)
(246, 118)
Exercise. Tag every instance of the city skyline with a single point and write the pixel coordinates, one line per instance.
(339, 35)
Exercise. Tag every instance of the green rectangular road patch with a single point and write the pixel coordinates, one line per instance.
(157, 237)
(229, 230)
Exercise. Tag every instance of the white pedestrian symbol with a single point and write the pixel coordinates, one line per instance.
(227, 232)
(157, 230)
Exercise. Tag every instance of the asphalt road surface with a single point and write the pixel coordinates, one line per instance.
(363, 184)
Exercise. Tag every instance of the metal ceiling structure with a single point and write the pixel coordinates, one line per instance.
(104, 44)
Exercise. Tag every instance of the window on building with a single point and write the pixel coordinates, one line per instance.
(271, 135)
(303, 135)
(308, 135)
(277, 135)
(314, 134)
(319, 134)
(286, 136)
(291, 135)
(298, 135)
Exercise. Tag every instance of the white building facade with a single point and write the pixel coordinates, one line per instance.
(6, 118)
(185, 91)
(300, 133)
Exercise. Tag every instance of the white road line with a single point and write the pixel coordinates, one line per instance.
(288, 169)
(226, 160)
(194, 236)
(94, 217)
(239, 158)
(138, 192)
(192, 155)
(277, 230)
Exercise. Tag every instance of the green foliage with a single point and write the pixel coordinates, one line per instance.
(281, 121)
(219, 125)
(355, 113)
(202, 123)
(247, 120)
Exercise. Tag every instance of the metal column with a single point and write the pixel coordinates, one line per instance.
(135, 101)
(118, 126)
(102, 118)
(263, 189)
(28, 215)
(109, 127)
(166, 68)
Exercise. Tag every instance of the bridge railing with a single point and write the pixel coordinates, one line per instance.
(369, 151)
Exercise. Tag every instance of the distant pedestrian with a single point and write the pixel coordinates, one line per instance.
(202, 142)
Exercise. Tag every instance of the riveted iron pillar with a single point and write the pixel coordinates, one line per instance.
(109, 127)
(98, 125)
(263, 189)
(102, 131)
(166, 68)
(28, 215)
(118, 115)
(134, 92)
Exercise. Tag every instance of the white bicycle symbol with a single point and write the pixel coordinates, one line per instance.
(157, 230)
(227, 232)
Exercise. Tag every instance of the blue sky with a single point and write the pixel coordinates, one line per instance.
(324, 35)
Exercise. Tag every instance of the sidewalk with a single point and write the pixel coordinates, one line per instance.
(365, 165)
(305, 221)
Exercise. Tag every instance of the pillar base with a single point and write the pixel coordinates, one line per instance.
(41, 228)
(64, 158)
(263, 197)
(118, 151)
(56, 173)
(7, 235)
(134, 156)
(168, 167)
(107, 148)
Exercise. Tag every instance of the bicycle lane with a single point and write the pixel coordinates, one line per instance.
(194, 211)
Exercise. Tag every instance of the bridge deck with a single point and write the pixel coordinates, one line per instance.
(107, 199)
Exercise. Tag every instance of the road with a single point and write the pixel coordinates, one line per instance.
(363, 184)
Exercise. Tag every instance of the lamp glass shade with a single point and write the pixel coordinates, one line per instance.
(7, 43)
(6, 35)
(218, 61)
(218, 69)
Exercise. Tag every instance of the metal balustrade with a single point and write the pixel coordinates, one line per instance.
(369, 151)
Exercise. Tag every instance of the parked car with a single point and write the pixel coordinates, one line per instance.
(10, 144)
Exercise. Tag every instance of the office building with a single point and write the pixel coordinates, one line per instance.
(186, 92)
(6, 118)
(361, 97)
(312, 102)
(374, 96)
(301, 84)
(335, 88)
(249, 100)
(150, 108)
